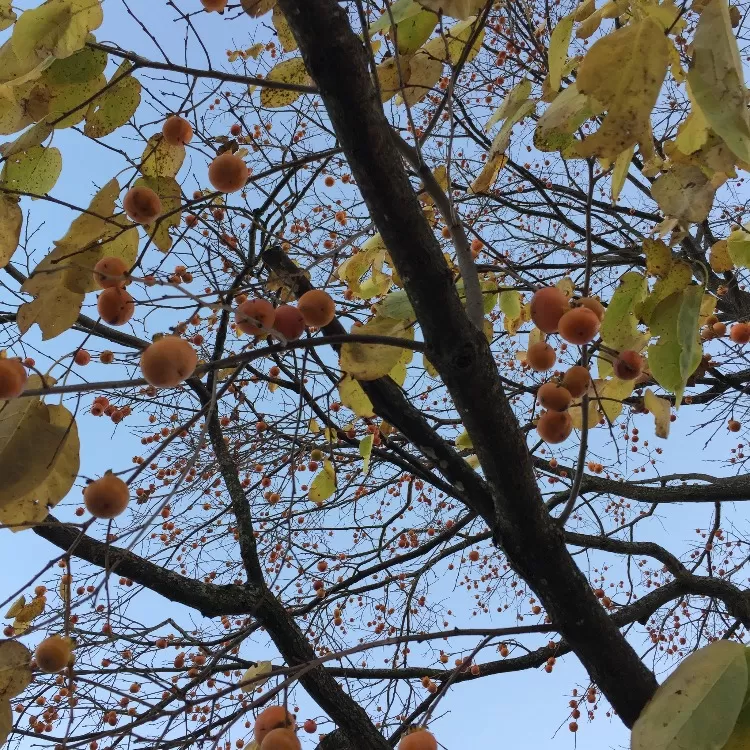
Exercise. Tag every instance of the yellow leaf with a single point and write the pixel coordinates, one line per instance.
(11, 220)
(160, 159)
(16, 607)
(510, 303)
(555, 128)
(365, 450)
(584, 10)
(313, 426)
(353, 397)
(323, 484)
(58, 477)
(34, 171)
(658, 257)
(372, 361)
(15, 671)
(287, 71)
(429, 369)
(254, 676)
(115, 106)
(369, 259)
(589, 26)
(455, 8)
(286, 38)
(511, 104)
(719, 257)
(495, 162)
(662, 411)
(624, 71)
(7, 18)
(684, 193)
(698, 704)
(620, 172)
(6, 720)
(611, 394)
(557, 52)
(390, 73)
(256, 8)
(398, 373)
(28, 614)
(513, 325)
(463, 442)
(716, 78)
(693, 132)
(424, 73)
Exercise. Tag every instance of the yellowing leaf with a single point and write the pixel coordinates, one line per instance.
(611, 394)
(396, 305)
(674, 358)
(676, 279)
(413, 32)
(698, 704)
(429, 369)
(353, 397)
(254, 676)
(170, 194)
(620, 172)
(661, 409)
(454, 8)
(512, 102)
(620, 324)
(34, 171)
(450, 47)
(7, 18)
(390, 73)
(115, 106)
(11, 220)
(372, 361)
(558, 50)
(256, 8)
(287, 71)
(84, 65)
(463, 442)
(716, 78)
(624, 72)
(555, 128)
(719, 257)
(513, 325)
(57, 28)
(313, 426)
(58, 477)
(684, 193)
(369, 260)
(16, 607)
(160, 159)
(399, 371)
(15, 671)
(738, 248)
(510, 303)
(6, 720)
(397, 11)
(658, 257)
(28, 613)
(365, 450)
(286, 37)
(424, 73)
(323, 484)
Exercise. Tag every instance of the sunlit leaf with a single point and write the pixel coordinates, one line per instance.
(28, 613)
(372, 361)
(738, 248)
(286, 37)
(451, 46)
(661, 409)
(424, 73)
(287, 71)
(398, 11)
(454, 8)
(620, 324)
(392, 74)
(463, 442)
(252, 675)
(34, 171)
(413, 32)
(160, 159)
(399, 371)
(698, 704)
(367, 262)
(716, 78)
(624, 72)
(365, 450)
(11, 219)
(353, 397)
(323, 484)
(115, 106)
(557, 52)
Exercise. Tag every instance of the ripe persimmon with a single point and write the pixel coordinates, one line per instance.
(629, 365)
(81, 357)
(317, 308)
(734, 426)
(109, 272)
(53, 653)
(12, 378)
(554, 397)
(419, 740)
(593, 304)
(106, 497)
(115, 306)
(554, 426)
(227, 173)
(576, 380)
(739, 333)
(541, 356)
(214, 5)
(289, 322)
(310, 725)
(253, 315)
(281, 739)
(547, 307)
(271, 717)
(177, 131)
(142, 205)
(579, 325)
(168, 362)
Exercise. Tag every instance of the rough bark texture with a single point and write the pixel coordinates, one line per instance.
(530, 538)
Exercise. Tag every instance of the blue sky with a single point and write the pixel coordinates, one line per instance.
(516, 710)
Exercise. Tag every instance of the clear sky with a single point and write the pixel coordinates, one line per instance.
(525, 710)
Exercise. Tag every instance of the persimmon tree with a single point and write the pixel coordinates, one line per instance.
(385, 296)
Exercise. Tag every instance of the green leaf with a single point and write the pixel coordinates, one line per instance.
(510, 303)
(365, 450)
(399, 11)
(555, 128)
(674, 358)
(716, 78)
(677, 278)
(557, 53)
(414, 31)
(34, 136)
(372, 361)
(68, 100)
(353, 397)
(115, 106)
(396, 305)
(698, 704)
(463, 442)
(160, 159)
(11, 220)
(620, 324)
(80, 67)
(34, 171)
(323, 484)
(738, 247)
